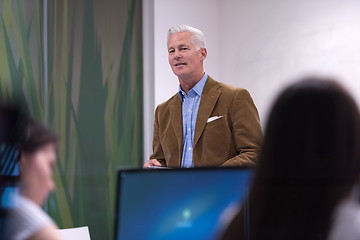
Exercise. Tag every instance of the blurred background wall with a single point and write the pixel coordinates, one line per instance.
(77, 67)
(266, 44)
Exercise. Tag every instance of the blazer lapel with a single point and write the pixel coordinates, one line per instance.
(209, 98)
(176, 121)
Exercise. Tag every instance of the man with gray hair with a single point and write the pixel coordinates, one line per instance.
(206, 123)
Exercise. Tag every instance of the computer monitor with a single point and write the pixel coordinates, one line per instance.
(177, 203)
(9, 174)
(9, 160)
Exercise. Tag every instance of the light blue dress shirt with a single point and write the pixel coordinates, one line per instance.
(190, 107)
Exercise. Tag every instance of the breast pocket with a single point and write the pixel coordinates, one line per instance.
(217, 136)
(217, 123)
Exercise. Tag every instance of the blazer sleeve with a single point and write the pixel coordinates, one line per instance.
(246, 130)
(157, 148)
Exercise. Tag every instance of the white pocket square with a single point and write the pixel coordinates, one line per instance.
(210, 119)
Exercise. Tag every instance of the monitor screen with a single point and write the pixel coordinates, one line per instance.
(177, 204)
(9, 174)
(7, 191)
(9, 164)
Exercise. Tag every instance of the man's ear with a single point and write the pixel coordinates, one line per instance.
(203, 53)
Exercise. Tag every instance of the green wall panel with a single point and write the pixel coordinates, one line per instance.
(21, 63)
(92, 96)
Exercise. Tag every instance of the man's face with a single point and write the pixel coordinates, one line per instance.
(184, 59)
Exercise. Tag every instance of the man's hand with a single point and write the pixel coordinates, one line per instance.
(152, 162)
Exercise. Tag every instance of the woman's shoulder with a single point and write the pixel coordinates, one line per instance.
(346, 220)
(27, 219)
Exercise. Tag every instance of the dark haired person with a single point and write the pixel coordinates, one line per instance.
(38, 155)
(309, 163)
(11, 132)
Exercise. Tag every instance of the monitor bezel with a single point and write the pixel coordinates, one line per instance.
(139, 170)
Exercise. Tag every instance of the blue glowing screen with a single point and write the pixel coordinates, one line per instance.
(177, 204)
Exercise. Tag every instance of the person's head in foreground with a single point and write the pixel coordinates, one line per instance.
(310, 161)
(37, 157)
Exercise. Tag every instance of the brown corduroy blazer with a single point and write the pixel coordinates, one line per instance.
(234, 139)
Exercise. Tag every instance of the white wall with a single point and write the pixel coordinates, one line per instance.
(149, 75)
(268, 43)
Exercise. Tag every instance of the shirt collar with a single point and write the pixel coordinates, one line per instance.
(197, 89)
